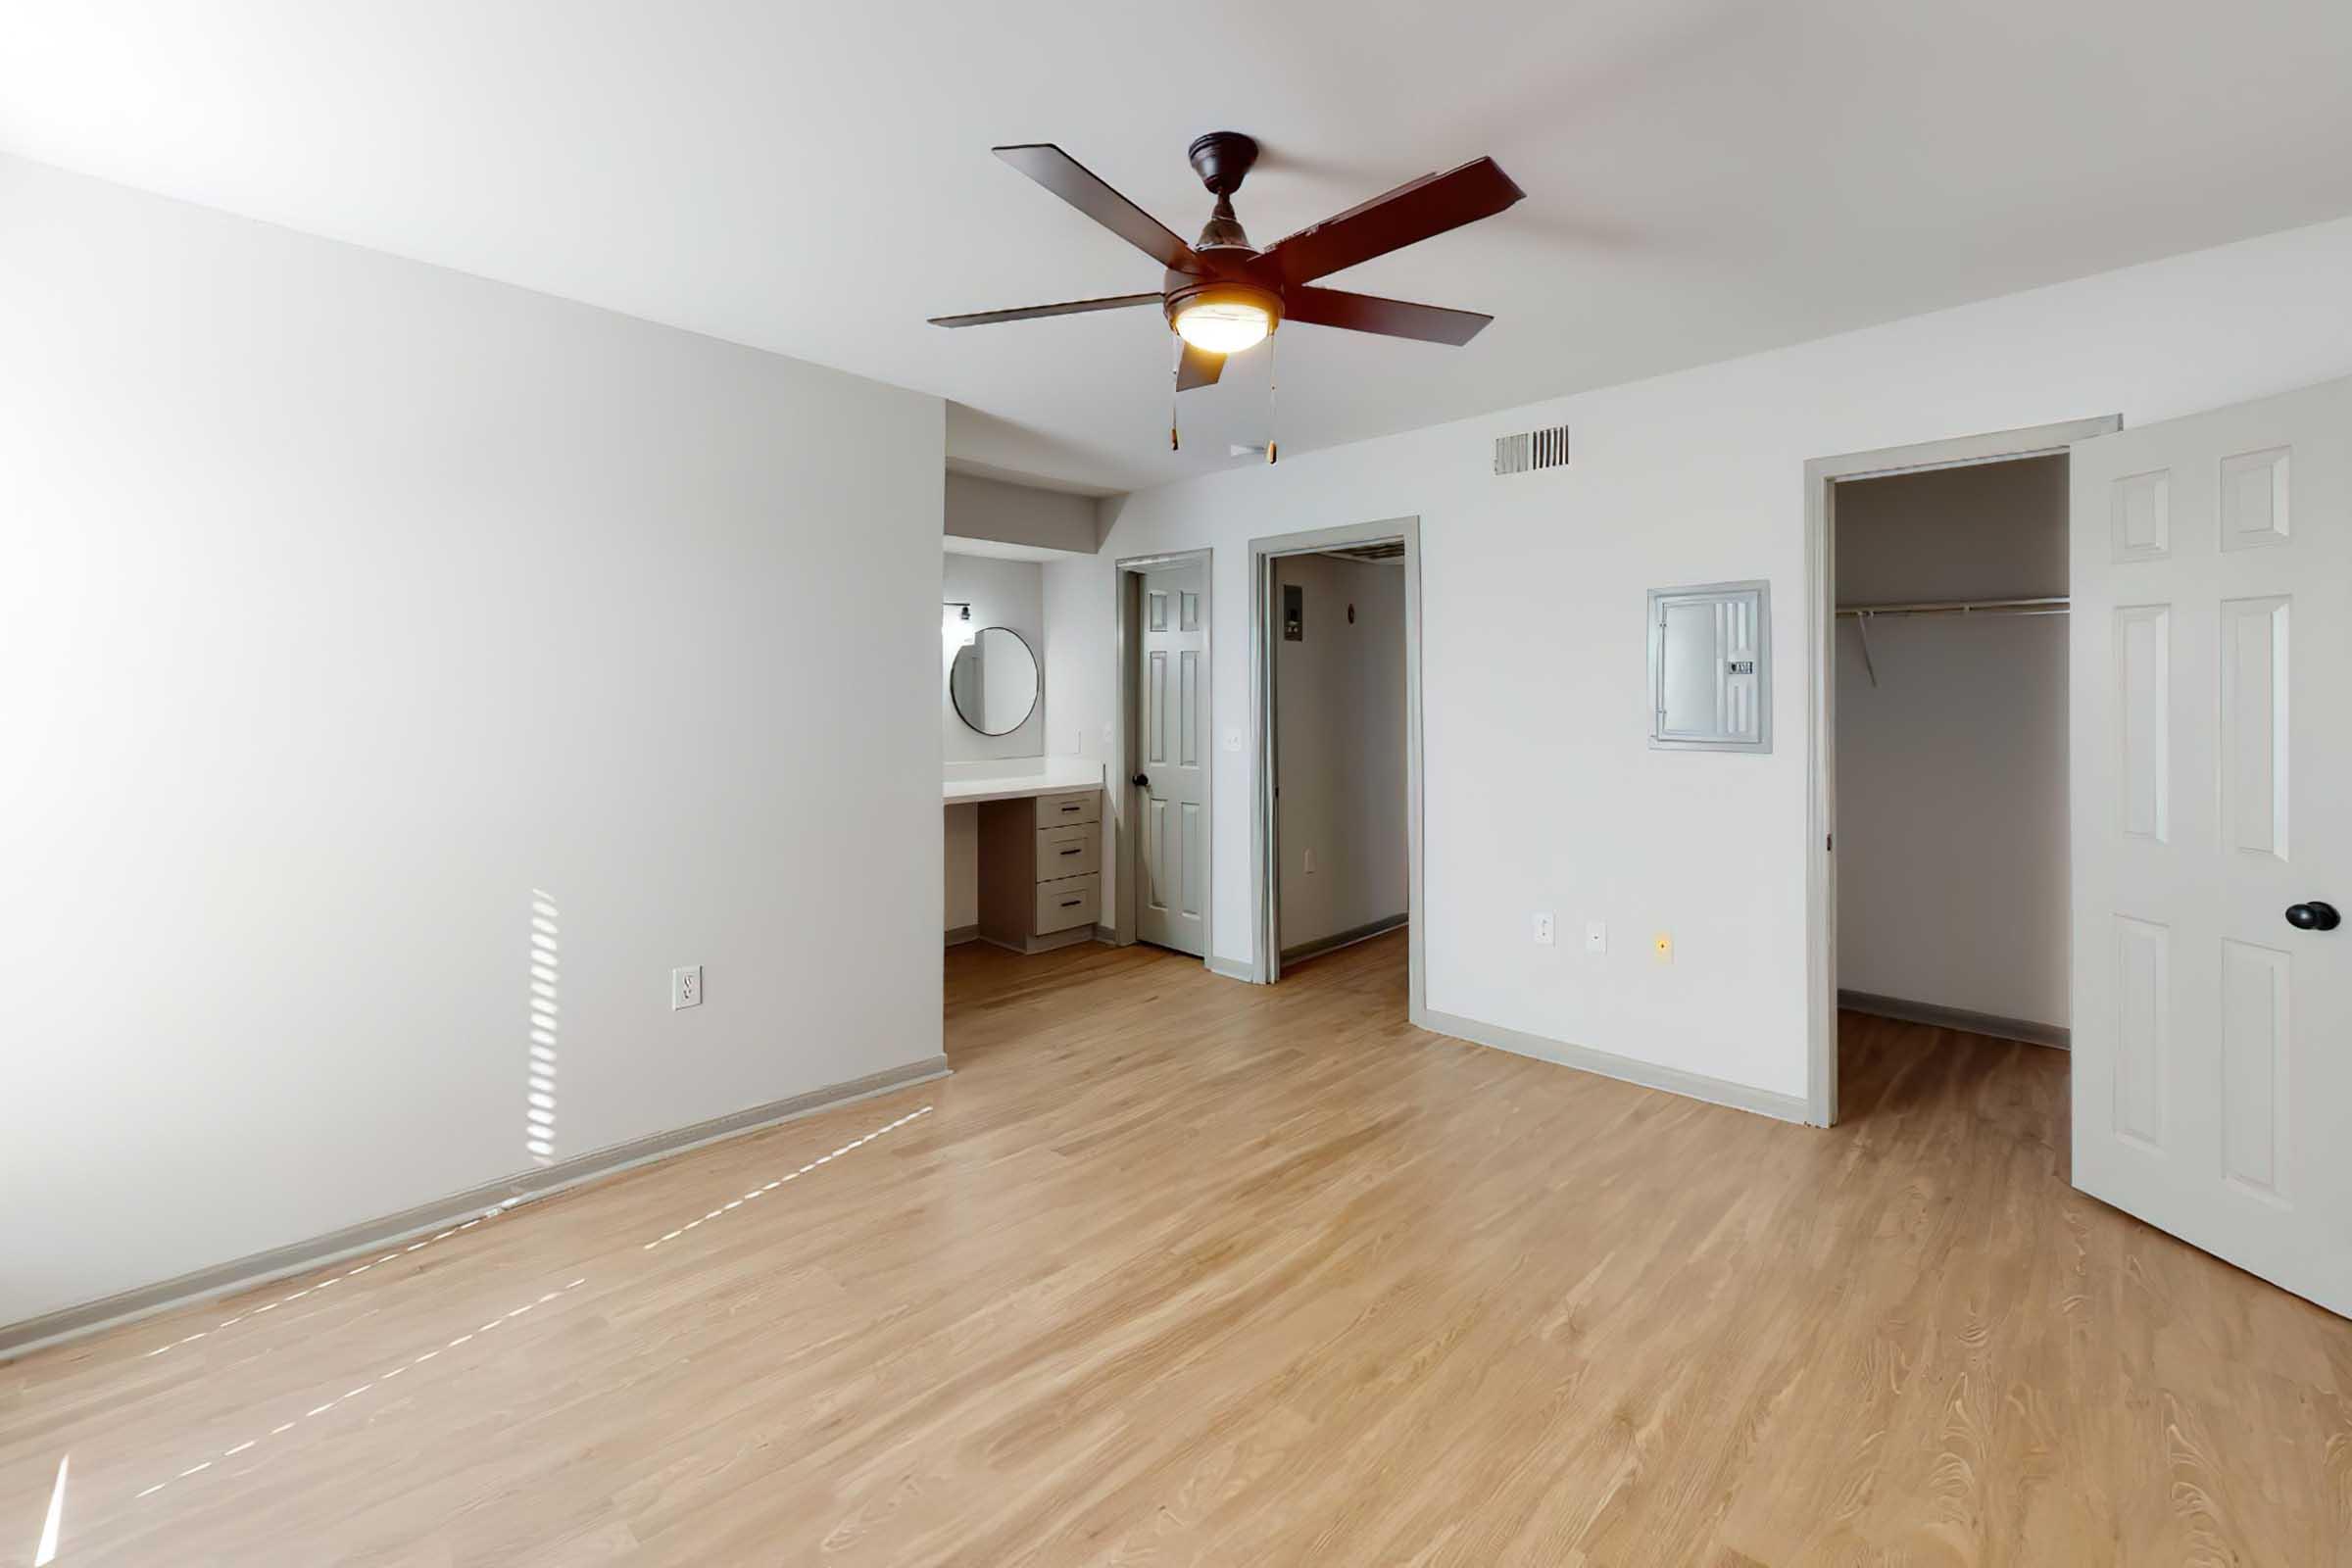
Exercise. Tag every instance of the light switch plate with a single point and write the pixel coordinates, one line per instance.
(1596, 937)
(1661, 946)
(686, 987)
(1544, 929)
(1233, 740)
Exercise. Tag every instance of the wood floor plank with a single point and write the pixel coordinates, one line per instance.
(1180, 1271)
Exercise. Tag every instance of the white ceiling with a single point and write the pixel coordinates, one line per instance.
(1705, 178)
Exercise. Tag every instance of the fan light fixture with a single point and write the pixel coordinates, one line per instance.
(1223, 326)
(1226, 319)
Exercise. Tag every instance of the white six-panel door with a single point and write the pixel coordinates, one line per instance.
(2212, 790)
(1172, 760)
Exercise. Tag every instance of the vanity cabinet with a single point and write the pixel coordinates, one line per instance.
(1041, 869)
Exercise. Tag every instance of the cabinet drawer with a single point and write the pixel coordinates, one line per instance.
(1073, 850)
(1072, 901)
(1077, 806)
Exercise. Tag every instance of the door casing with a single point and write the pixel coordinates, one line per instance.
(1264, 621)
(1822, 477)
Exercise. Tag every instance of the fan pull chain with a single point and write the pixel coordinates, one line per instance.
(1273, 447)
(1174, 386)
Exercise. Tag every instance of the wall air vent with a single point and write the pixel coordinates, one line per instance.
(1532, 450)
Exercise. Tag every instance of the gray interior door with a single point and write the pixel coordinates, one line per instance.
(1171, 760)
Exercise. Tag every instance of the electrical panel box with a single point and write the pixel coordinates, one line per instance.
(1710, 667)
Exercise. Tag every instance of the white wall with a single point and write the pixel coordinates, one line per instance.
(1001, 592)
(1953, 770)
(1339, 749)
(1540, 791)
(1018, 513)
(345, 601)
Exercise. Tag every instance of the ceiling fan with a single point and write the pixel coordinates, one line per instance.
(1223, 295)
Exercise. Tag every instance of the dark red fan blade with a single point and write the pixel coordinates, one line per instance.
(1030, 312)
(1430, 204)
(1071, 180)
(1369, 313)
(1198, 368)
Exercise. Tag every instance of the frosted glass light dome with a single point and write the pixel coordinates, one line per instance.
(1224, 326)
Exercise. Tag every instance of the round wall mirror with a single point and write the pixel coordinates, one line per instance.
(993, 681)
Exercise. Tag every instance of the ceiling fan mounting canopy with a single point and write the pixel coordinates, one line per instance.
(1222, 295)
(1222, 159)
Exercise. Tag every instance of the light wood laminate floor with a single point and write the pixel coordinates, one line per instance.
(1180, 1271)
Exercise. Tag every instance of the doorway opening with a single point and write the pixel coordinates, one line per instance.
(1335, 674)
(1939, 890)
(1335, 704)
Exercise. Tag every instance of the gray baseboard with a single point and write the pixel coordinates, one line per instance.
(2026, 1030)
(296, 1257)
(1105, 934)
(957, 935)
(1234, 970)
(1625, 1069)
(1344, 938)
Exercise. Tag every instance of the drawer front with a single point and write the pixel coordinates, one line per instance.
(1077, 806)
(1073, 901)
(1074, 851)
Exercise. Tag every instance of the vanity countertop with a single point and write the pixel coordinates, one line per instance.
(1059, 773)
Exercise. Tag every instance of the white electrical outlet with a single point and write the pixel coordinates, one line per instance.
(1544, 929)
(1596, 937)
(686, 987)
(1310, 862)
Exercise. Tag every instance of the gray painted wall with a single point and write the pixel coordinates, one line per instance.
(345, 601)
(1018, 513)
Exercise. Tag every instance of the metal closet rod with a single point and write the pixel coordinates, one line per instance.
(1863, 615)
(2057, 605)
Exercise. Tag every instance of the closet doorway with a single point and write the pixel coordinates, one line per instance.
(1940, 578)
(1334, 686)
(2209, 657)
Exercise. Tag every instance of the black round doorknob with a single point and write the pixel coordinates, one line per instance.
(1140, 781)
(2313, 916)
